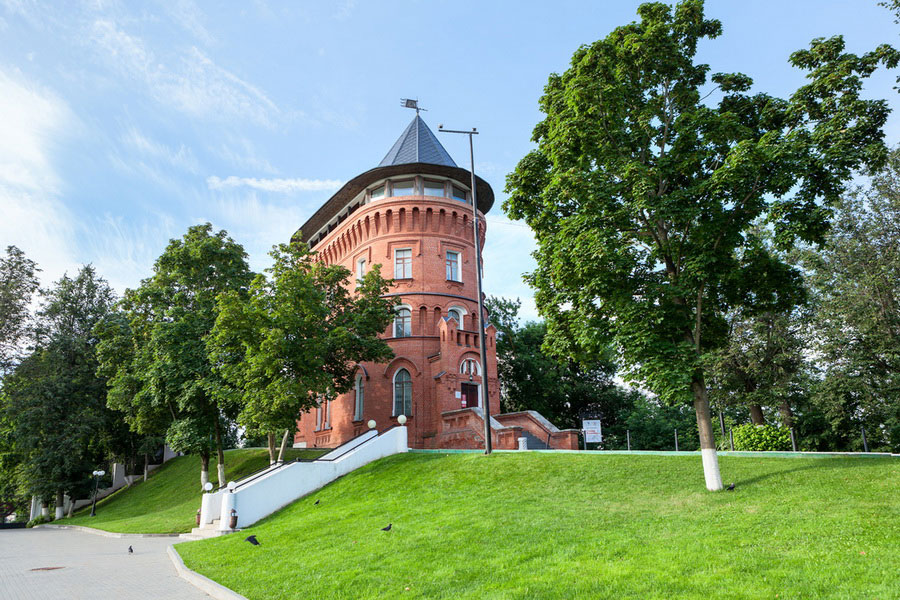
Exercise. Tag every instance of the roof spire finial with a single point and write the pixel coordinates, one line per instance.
(410, 103)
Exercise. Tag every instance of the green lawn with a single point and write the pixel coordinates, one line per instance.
(542, 525)
(168, 501)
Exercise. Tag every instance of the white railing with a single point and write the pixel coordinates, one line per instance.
(270, 491)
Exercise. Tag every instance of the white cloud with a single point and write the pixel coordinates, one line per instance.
(241, 153)
(31, 215)
(195, 85)
(274, 185)
(182, 158)
(189, 16)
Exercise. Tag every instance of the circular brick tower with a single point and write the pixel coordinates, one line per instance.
(412, 216)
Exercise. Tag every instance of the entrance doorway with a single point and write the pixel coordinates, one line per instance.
(469, 395)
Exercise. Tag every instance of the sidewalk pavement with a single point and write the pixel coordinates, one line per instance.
(92, 567)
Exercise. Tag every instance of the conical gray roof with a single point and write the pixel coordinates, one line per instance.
(417, 144)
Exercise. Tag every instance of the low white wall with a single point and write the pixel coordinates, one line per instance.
(270, 492)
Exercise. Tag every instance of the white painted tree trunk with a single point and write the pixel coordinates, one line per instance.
(707, 437)
(220, 471)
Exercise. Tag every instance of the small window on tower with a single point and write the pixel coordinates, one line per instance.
(460, 194)
(378, 192)
(453, 266)
(403, 188)
(435, 188)
(360, 270)
(403, 263)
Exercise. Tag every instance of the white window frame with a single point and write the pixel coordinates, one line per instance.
(402, 270)
(457, 275)
(360, 269)
(467, 363)
(408, 331)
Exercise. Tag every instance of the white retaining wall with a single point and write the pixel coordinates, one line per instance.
(268, 493)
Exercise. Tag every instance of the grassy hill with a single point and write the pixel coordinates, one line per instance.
(168, 501)
(542, 525)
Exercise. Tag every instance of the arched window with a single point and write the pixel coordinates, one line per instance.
(360, 398)
(402, 393)
(403, 322)
(470, 366)
(454, 313)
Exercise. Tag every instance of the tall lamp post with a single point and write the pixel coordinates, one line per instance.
(484, 370)
(97, 475)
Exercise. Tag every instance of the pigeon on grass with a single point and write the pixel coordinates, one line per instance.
(316, 502)
(730, 488)
(388, 528)
(252, 539)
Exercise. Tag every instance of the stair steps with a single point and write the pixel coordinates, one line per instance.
(205, 531)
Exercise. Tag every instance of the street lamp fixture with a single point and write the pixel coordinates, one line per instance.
(485, 406)
(97, 475)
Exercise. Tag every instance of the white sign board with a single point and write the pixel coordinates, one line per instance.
(592, 432)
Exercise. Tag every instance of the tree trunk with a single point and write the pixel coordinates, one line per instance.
(146, 465)
(705, 430)
(71, 509)
(787, 415)
(284, 440)
(220, 454)
(204, 469)
(60, 502)
(271, 439)
(756, 415)
(45, 509)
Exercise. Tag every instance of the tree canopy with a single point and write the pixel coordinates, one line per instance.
(646, 180)
(298, 337)
(153, 350)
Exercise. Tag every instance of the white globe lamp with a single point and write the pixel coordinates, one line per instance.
(402, 419)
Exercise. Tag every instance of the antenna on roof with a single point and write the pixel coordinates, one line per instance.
(410, 103)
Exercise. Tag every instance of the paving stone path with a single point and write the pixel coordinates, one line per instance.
(93, 567)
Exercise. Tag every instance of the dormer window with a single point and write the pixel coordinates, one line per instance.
(460, 194)
(403, 188)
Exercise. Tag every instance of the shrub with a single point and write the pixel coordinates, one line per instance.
(38, 520)
(761, 437)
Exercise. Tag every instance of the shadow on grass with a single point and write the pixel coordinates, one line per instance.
(817, 463)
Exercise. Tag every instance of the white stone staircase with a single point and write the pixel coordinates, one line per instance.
(206, 530)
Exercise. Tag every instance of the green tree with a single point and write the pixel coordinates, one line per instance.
(56, 402)
(153, 350)
(298, 337)
(531, 379)
(640, 192)
(856, 280)
(18, 282)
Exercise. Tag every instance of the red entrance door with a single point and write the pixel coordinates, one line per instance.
(469, 395)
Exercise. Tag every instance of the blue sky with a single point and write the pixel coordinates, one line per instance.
(121, 124)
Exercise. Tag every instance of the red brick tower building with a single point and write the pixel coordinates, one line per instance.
(412, 215)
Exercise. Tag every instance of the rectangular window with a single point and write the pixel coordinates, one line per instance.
(318, 418)
(360, 398)
(403, 323)
(403, 263)
(403, 188)
(460, 194)
(453, 266)
(435, 188)
(360, 269)
(327, 414)
(378, 193)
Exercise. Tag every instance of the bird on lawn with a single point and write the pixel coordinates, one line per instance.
(130, 550)
(252, 540)
(388, 528)
(730, 488)
(316, 502)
